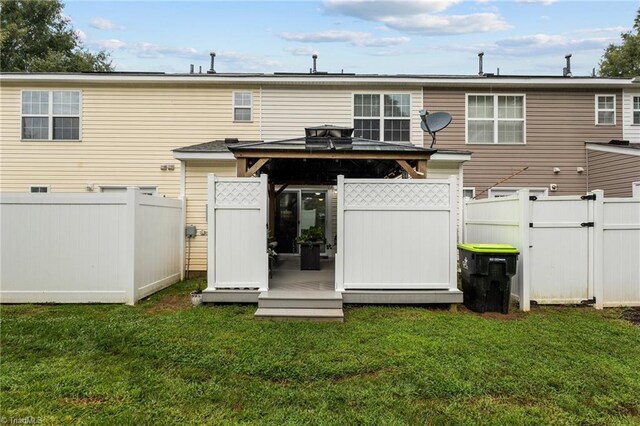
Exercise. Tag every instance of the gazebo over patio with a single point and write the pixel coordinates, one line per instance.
(326, 152)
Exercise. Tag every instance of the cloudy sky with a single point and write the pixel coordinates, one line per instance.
(361, 36)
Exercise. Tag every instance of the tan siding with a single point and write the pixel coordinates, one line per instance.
(127, 133)
(613, 173)
(286, 111)
(196, 194)
(557, 125)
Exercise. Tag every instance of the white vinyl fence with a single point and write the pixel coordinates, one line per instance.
(237, 217)
(88, 248)
(573, 249)
(396, 234)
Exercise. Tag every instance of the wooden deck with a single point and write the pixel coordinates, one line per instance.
(288, 276)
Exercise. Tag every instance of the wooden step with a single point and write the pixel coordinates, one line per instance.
(300, 299)
(336, 315)
(230, 296)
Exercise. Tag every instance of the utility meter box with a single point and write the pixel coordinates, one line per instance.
(190, 231)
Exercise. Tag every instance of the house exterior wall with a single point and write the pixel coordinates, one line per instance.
(196, 173)
(286, 111)
(127, 133)
(613, 173)
(557, 125)
(631, 132)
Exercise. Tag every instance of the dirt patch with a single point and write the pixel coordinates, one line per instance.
(513, 314)
(86, 400)
(176, 302)
(632, 315)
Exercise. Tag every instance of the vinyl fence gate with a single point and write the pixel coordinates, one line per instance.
(573, 249)
(237, 246)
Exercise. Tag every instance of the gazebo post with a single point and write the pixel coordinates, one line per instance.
(272, 208)
(241, 167)
(422, 169)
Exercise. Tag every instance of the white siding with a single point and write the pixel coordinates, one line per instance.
(630, 131)
(287, 111)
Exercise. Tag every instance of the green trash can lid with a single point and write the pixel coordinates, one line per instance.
(489, 248)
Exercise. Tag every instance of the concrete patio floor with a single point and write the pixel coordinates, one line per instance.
(288, 276)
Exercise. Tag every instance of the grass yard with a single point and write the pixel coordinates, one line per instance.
(164, 362)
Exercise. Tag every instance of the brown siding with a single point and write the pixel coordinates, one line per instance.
(557, 125)
(613, 173)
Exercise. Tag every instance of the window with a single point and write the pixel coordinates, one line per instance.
(382, 117)
(36, 189)
(242, 106)
(636, 110)
(146, 190)
(50, 115)
(606, 110)
(468, 193)
(495, 119)
(505, 192)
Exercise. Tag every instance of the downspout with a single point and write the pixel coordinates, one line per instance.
(260, 126)
(183, 197)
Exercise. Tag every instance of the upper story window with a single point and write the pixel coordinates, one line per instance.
(242, 106)
(496, 119)
(636, 110)
(50, 115)
(606, 110)
(382, 117)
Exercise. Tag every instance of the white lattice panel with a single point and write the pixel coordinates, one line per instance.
(237, 194)
(396, 194)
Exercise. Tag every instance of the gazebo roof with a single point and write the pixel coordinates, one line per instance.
(324, 153)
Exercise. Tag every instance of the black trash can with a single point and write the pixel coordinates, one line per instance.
(486, 276)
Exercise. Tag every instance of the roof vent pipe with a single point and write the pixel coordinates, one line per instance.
(213, 58)
(191, 69)
(480, 57)
(566, 71)
(315, 59)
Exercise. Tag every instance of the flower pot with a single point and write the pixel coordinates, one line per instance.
(310, 256)
(196, 298)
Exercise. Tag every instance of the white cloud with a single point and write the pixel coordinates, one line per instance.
(616, 30)
(111, 44)
(418, 17)
(448, 24)
(301, 51)
(150, 50)
(82, 36)
(103, 24)
(372, 10)
(245, 62)
(360, 39)
(542, 43)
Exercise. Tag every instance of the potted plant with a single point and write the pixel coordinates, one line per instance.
(196, 296)
(310, 241)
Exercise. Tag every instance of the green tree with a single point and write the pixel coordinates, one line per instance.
(623, 60)
(36, 37)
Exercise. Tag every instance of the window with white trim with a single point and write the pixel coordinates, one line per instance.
(468, 193)
(242, 103)
(38, 189)
(498, 119)
(382, 116)
(606, 110)
(145, 190)
(50, 115)
(505, 192)
(636, 110)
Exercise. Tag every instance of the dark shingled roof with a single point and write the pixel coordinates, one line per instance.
(618, 144)
(358, 145)
(212, 146)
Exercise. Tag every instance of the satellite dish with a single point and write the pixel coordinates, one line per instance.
(435, 122)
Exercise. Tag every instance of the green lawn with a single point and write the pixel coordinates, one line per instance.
(164, 362)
